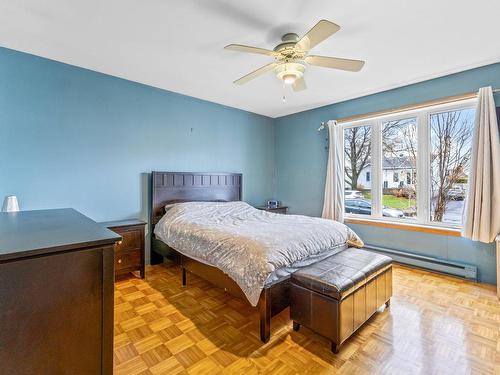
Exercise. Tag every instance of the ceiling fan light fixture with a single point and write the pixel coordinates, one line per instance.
(292, 55)
(289, 79)
(289, 72)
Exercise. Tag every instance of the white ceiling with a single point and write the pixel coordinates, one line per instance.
(178, 44)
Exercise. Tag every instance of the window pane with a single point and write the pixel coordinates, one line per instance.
(399, 168)
(451, 138)
(357, 171)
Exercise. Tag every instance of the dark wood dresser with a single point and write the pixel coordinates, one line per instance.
(56, 293)
(276, 210)
(129, 253)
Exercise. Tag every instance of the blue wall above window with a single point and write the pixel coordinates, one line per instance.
(301, 160)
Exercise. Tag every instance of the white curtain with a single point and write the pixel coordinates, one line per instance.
(333, 206)
(481, 220)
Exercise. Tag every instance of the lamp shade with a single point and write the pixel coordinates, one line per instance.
(10, 204)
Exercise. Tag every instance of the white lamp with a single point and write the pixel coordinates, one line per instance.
(10, 204)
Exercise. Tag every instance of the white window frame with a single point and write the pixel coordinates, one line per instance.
(422, 116)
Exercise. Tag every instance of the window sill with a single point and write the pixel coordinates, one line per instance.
(403, 226)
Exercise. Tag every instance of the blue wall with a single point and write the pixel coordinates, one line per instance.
(71, 137)
(301, 165)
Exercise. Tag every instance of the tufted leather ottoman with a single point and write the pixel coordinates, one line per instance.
(335, 296)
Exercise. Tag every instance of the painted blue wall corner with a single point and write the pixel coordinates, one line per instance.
(74, 137)
(70, 137)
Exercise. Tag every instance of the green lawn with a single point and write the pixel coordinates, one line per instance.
(393, 201)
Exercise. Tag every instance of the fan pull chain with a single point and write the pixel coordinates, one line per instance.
(284, 92)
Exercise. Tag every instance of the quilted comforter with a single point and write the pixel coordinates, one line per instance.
(245, 243)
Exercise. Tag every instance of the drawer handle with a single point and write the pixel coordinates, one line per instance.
(119, 260)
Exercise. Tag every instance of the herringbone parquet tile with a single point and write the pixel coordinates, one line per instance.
(435, 325)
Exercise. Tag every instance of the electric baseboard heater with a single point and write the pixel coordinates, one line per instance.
(466, 271)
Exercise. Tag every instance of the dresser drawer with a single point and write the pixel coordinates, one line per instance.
(126, 259)
(131, 239)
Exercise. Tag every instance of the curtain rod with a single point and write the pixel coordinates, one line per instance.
(448, 99)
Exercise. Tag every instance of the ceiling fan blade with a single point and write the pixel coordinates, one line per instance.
(255, 74)
(299, 84)
(249, 49)
(321, 31)
(335, 63)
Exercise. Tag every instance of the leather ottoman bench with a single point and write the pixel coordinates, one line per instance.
(335, 296)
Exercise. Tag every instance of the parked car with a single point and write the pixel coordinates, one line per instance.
(456, 194)
(353, 194)
(364, 207)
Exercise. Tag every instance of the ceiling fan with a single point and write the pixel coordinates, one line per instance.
(292, 55)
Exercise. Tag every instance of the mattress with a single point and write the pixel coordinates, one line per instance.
(253, 247)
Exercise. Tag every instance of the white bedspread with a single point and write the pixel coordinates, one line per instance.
(245, 243)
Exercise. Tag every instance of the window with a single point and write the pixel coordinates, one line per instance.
(399, 154)
(450, 152)
(415, 164)
(357, 165)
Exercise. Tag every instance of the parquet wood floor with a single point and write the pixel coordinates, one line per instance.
(436, 325)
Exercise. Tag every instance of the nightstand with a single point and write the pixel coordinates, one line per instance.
(276, 210)
(129, 252)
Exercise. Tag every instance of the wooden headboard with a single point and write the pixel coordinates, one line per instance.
(169, 187)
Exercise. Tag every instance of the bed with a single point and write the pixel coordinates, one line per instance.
(199, 221)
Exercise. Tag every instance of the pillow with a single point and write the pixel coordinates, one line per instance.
(169, 206)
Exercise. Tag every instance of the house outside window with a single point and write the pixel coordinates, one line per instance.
(412, 166)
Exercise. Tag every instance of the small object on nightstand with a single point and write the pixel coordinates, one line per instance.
(273, 204)
(10, 204)
(129, 252)
(276, 210)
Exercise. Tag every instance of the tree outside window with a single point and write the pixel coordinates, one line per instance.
(451, 138)
(445, 176)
